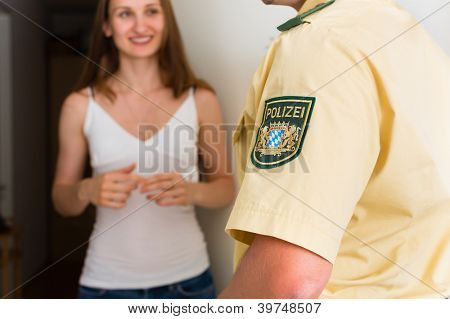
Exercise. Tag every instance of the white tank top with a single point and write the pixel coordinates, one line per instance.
(144, 245)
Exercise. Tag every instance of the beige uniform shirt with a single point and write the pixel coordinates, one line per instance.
(344, 149)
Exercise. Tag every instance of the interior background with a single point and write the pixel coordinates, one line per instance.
(225, 41)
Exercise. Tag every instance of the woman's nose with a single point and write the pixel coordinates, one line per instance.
(140, 25)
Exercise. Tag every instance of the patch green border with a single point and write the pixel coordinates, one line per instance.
(311, 101)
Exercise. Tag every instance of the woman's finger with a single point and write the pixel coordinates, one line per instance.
(163, 178)
(118, 197)
(124, 178)
(113, 204)
(167, 194)
(158, 186)
(122, 187)
(171, 201)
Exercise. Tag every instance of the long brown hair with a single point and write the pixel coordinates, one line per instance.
(176, 72)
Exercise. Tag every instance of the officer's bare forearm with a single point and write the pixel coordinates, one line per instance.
(274, 269)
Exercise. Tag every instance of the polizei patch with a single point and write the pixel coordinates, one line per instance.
(282, 132)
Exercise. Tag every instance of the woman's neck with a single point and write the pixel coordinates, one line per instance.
(142, 75)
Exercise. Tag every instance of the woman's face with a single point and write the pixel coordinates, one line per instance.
(296, 4)
(136, 26)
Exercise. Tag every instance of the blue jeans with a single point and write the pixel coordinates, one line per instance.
(200, 287)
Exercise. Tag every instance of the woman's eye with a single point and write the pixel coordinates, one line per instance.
(124, 14)
(152, 11)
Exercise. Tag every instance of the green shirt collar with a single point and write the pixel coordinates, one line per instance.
(310, 7)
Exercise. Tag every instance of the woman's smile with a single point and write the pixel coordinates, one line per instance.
(141, 40)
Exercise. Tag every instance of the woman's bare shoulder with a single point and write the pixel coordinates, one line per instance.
(77, 99)
(208, 106)
(204, 96)
(75, 106)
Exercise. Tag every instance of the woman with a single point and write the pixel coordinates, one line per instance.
(142, 116)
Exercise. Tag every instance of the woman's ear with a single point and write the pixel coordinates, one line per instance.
(107, 29)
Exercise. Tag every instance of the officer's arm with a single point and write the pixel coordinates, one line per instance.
(273, 268)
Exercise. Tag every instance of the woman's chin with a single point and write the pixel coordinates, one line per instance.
(140, 54)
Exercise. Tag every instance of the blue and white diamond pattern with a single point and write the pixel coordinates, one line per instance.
(275, 138)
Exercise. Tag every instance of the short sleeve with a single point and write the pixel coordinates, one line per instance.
(310, 200)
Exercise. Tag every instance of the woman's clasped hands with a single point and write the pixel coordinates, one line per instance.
(113, 189)
(169, 189)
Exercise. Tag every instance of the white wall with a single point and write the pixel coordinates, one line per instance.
(437, 24)
(225, 41)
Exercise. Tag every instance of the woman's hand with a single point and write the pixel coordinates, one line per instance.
(111, 189)
(170, 189)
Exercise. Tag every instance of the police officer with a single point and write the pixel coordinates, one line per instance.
(345, 178)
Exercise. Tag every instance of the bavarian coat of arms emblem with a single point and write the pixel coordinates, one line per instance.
(282, 131)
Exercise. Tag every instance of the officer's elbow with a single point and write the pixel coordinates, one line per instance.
(302, 282)
(307, 291)
(299, 288)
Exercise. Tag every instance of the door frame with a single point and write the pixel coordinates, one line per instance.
(6, 125)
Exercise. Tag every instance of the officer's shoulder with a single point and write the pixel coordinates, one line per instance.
(314, 37)
(353, 21)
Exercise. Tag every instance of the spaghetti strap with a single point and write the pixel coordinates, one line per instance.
(91, 93)
(89, 115)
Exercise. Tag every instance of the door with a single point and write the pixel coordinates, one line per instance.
(6, 160)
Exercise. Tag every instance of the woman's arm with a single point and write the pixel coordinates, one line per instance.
(218, 190)
(68, 191)
(72, 194)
